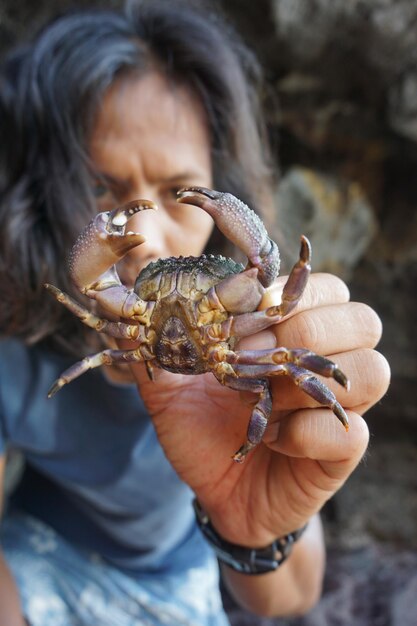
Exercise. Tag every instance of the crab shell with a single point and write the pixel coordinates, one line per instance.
(178, 286)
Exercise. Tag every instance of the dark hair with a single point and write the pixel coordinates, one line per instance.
(49, 93)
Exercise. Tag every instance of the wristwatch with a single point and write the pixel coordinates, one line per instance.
(241, 558)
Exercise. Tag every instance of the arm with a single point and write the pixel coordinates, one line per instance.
(293, 588)
(10, 612)
(306, 455)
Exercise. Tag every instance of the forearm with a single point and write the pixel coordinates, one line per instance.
(293, 588)
(10, 611)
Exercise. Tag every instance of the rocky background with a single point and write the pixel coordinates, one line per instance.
(342, 113)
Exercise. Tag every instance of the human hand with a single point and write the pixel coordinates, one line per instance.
(306, 455)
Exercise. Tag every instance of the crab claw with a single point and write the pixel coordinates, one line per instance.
(102, 244)
(241, 225)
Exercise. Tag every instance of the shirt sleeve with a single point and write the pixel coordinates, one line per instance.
(2, 427)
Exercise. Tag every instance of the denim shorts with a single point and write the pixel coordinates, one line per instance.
(60, 585)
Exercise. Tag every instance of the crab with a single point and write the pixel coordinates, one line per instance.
(187, 314)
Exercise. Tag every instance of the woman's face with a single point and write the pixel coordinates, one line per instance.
(149, 141)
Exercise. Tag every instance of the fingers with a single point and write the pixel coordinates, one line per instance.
(312, 434)
(367, 371)
(321, 290)
(370, 372)
(324, 320)
(331, 329)
(328, 324)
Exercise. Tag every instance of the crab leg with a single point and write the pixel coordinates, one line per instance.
(303, 378)
(99, 247)
(240, 225)
(253, 322)
(249, 323)
(238, 293)
(301, 357)
(114, 329)
(106, 357)
(296, 283)
(260, 415)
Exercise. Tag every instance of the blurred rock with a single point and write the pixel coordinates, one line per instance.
(352, 41)
(379, 501)
(372, 586)
(333, 213)
(342, 111)
(381, 33)
(402, 102)
(18, 18)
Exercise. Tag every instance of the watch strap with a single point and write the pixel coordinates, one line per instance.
(241, 558)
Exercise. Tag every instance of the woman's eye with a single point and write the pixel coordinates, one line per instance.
(173, 191)
(168, 197)
(100, 190)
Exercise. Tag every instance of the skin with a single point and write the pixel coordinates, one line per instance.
(147, 136)
(148, 142)
(10, 613)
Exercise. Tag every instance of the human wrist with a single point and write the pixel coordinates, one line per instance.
(246, 559)
(233, 524)
(241, 527)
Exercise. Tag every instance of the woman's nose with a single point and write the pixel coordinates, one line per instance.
(146, 223)
(150, 224)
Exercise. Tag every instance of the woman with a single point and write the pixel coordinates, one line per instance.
(101, 108)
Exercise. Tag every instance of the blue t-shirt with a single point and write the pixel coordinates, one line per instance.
(97, 473)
